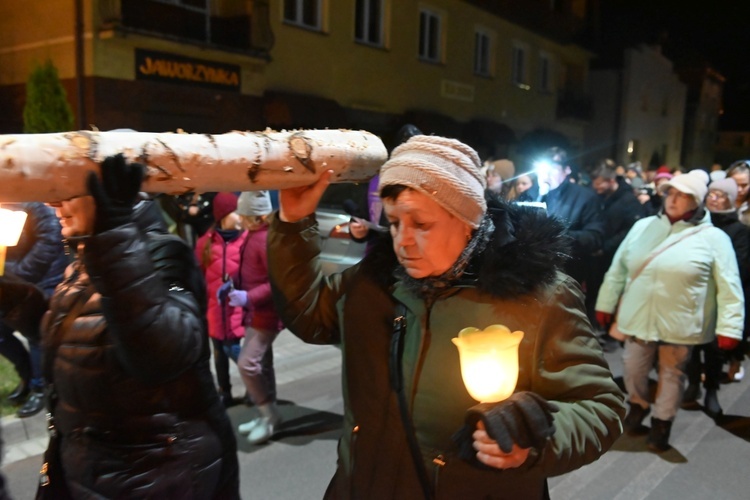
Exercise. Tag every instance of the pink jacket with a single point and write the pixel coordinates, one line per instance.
(224, 321)
(253, 277)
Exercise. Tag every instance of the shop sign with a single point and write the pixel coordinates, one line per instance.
(163, 67)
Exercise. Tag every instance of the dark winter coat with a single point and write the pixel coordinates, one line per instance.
(579, 209)
(39, 257)
(739, 233)
(515, 282)
(137, 408)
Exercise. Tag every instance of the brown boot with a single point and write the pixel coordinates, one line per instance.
(633, 423)
(658, 437)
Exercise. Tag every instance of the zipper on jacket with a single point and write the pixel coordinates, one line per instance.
(352, 454)
(439, 462)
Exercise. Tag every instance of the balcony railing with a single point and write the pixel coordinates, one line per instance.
(182, 21)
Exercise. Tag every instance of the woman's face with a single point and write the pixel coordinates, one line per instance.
(427, 239)
(677, 203)
(742, 178)
(523, 183)
(718, 201)
(76, 216)
(231, 221)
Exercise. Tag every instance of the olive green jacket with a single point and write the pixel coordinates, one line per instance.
(518, 285)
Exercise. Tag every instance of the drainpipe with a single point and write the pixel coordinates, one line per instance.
(80, 76)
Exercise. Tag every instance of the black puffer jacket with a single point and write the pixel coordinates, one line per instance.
(137, 407)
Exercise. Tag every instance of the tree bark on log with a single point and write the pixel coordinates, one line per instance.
(53, 167)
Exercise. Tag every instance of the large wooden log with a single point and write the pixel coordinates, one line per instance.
(53, 167)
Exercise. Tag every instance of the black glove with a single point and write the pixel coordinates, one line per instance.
(525, 419)
(22, 305)
(116, 193)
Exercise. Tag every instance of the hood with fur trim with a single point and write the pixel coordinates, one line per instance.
(525, 252)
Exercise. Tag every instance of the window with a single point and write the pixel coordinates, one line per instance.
(429, 36)
(519, 71)
(545, 73)
(482, 52)
(368, 22)
(305, 13)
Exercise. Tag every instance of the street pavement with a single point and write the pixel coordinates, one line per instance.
(709, 460)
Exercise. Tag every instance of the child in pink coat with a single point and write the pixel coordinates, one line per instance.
(218, 253)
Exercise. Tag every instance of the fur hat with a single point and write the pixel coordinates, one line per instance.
(694, 183)
(727, 186)
(446, 170)
(254, 203)
(223, 205)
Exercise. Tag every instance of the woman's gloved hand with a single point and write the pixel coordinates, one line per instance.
(238, 298)
(604, 319)
(116, 192)
(726, 343)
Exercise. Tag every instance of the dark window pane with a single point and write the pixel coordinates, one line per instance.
(290, 10)
(359, 20)
(310, 13)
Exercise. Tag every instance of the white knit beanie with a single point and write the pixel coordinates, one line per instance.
(446, 170)
(694, 183)
(254, 203)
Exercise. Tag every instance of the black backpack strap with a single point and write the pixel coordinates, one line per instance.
(397, 384)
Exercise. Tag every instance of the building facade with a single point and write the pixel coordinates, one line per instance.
(485, 72)
(639, 112)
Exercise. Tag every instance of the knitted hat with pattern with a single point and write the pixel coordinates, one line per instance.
(446, 170)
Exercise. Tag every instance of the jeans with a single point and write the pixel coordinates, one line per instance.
(223, 350)
(638, 360)
(256, 365)
(28, 363)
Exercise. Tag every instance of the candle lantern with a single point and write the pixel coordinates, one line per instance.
(489, 361)
(11, 225)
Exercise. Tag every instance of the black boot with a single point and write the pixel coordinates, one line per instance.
(658, 437)
(711, 404)
(690, 397)
(633, 420)
(20, 393)
(33, 405)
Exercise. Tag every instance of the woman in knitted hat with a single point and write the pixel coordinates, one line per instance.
(252, 293)
(676, 280)
(218, 253)
(452, 260)
(720, 202)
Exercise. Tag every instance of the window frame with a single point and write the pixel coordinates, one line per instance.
(365, 28)
(299, 8)
(489, 67)
(520, 54)
(433, 15)
(546, 72)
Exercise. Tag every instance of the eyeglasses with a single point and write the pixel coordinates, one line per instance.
(717, 196)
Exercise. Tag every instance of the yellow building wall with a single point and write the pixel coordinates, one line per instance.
(33, 32)
(392, 79)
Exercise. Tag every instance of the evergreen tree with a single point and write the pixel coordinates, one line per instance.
(47, 108)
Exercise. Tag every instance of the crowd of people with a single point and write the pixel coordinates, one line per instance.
(654, 263)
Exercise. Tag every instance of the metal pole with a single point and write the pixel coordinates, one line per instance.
(80, 76)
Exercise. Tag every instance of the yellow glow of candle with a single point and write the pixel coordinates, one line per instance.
(489, 361)
(11, 225)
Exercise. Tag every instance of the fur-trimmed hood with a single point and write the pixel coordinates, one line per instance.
(526, 250)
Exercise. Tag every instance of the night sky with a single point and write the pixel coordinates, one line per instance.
(716, 32)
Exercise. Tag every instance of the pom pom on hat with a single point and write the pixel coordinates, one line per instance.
(694, 183)
(223, 205)
(254, 203)
(446, 170)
